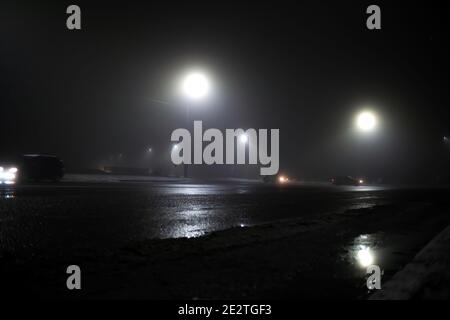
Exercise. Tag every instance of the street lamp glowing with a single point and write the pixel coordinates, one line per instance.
(366, 121)
(196, 85)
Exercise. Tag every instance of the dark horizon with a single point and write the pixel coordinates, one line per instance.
(305, 68)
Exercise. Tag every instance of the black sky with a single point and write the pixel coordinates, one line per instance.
(305, 67)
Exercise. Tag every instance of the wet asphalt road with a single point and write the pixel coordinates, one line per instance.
(56, 218)
(44, 227)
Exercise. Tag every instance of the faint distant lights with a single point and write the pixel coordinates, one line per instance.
(283, 179)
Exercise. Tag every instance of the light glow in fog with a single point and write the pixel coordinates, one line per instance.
(365, 257)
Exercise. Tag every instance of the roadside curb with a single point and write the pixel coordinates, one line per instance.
(427, 276)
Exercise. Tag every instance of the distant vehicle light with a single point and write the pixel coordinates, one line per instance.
(283, 179)
(13, 170)
(346, 181)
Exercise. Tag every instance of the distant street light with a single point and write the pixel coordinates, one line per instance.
(366, 121)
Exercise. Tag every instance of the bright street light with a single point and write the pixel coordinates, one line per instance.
(196, 85)
(366, 121)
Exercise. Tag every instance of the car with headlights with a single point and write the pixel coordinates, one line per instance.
(31, 167)
(346, 181)
(8, 173)
(276, 179)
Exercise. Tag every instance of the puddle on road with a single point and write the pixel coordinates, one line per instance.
(390, 252)
(357, 255)
(363, 251)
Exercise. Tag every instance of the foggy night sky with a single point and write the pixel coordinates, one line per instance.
(300, 66)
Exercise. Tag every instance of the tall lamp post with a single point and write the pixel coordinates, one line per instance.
(366, 122)
(195, 87)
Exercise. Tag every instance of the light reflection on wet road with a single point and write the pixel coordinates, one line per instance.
(106, 215)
